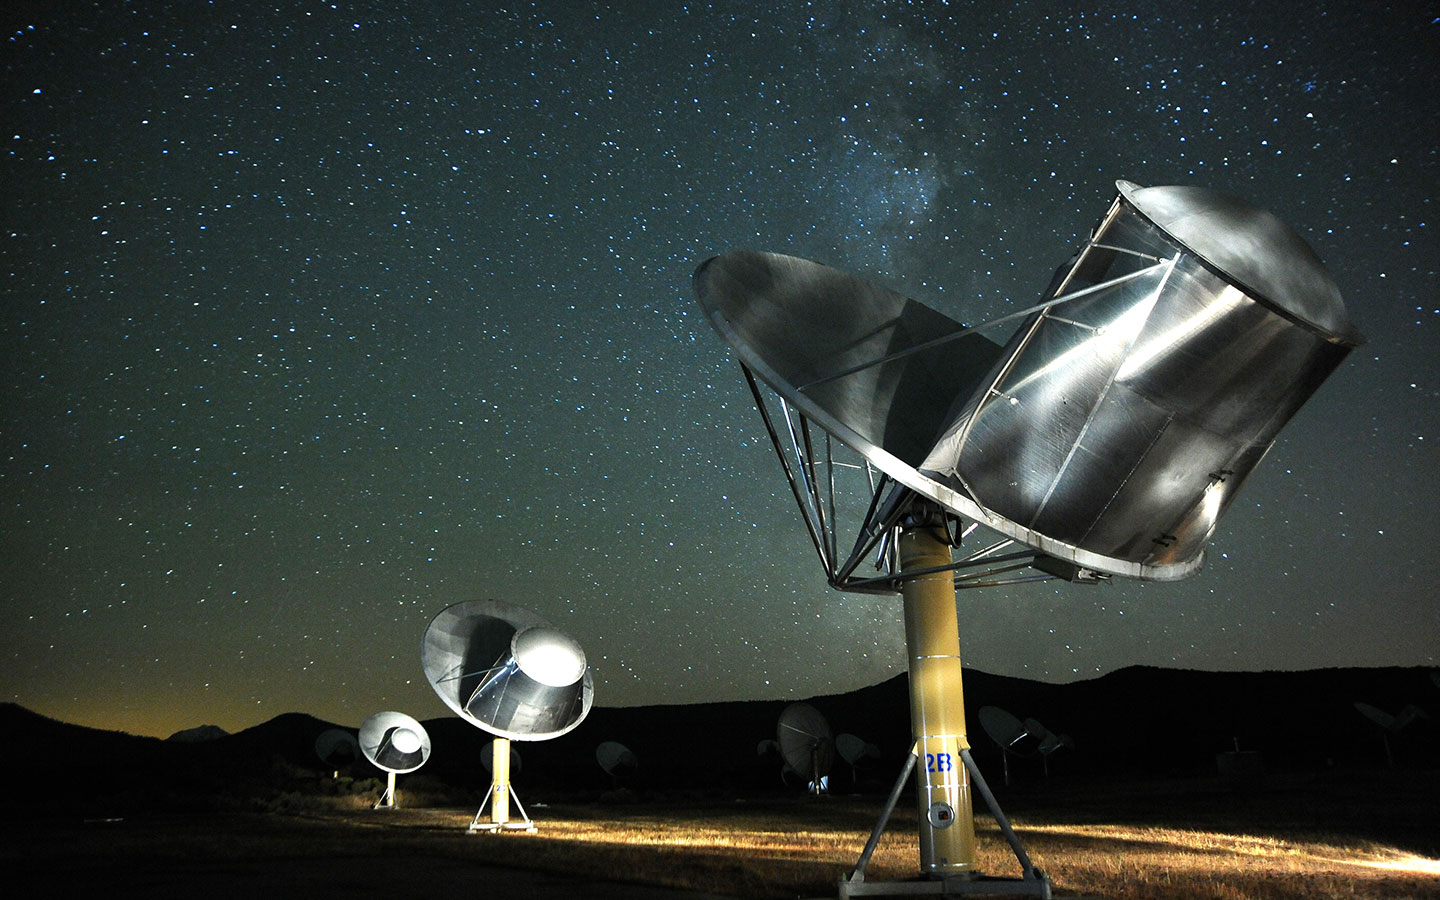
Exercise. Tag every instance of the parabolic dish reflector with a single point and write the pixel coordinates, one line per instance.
(394, 742)
(1118, 420)
(506, 670)
(806, 742)
(855, 750)
(336, 747)
(614, 756)
(1008, 732)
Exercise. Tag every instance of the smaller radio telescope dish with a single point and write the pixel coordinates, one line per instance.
(337, 748)
(396, 744)
(507, 671)
(856, 751)
(806, 744)
(618, 760)
(1390, 724)
(1009, 734)
(1047, 741)
(1007, 731)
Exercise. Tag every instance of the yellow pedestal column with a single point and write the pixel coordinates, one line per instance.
(937, 705)
(500, 782)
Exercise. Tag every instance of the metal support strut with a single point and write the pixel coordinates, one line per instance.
(501, 793)
(387, 799)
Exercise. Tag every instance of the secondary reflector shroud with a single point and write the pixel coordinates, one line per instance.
(506, 670)
(1116, 423)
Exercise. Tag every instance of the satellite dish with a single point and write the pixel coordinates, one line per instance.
(616, 759)
(1007, 731)
(806, 744)
(1009, 734)
(396, 744)
(337, 748)
(1104, 436)
(1377, 715)
(1047, 742)
(1111, 429)
(1390, 724)
(855, 751)
(507, 671)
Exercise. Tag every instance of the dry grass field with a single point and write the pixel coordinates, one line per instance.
(1311, 838)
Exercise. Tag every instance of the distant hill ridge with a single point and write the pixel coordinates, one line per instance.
(198, 734)
(1138, 719)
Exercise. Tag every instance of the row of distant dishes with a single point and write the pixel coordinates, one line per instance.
(499, 667)
(804, 741)
(338, 748)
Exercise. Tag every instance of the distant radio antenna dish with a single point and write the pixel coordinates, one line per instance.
(1390, 724)
(1008, 733)
(337, 749)
(507, 671)
(807, 745)
(856, 752)
(395, 744)
(617, 760)
(1102, 434)
(1047, 742)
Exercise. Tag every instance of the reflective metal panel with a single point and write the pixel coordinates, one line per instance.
(1122, 420)
(826, 341)
(1114, 427)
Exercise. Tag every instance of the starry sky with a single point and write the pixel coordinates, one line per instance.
(319, 317)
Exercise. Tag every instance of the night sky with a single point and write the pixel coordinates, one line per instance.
(318, 318)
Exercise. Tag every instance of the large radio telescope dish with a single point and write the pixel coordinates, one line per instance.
(1104, 437)
(1113, 427)
(507, 671)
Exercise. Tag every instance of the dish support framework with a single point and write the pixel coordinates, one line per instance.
(911, 541)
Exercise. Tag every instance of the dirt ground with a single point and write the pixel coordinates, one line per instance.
(1128, 839)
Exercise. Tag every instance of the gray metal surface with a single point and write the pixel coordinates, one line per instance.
(1250, 247)
(493, 664)
(394, 742)
(1116, 424)
(797, 324)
